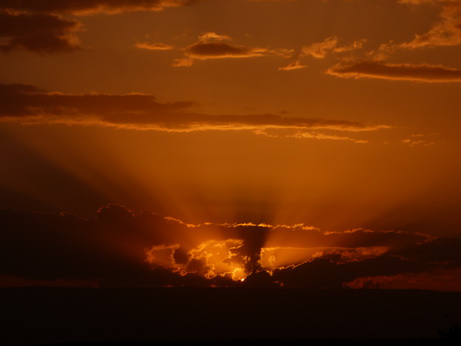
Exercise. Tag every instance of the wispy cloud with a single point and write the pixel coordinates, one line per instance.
(154, 46)
(402, 72)
(321, 49)
(295, 65)
(445, 32)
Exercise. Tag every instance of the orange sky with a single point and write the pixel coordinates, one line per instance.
(339, 115)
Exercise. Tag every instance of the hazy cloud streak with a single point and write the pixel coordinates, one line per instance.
(406, 72)
(29, 105)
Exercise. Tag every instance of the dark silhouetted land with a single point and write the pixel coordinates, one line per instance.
(157, 316)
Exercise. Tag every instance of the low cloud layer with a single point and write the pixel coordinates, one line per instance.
(119, 247)
(29, 105)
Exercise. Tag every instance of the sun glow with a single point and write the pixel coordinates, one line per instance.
(209, 259)
(238, 274)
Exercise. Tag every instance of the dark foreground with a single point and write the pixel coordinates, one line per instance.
(220, 316)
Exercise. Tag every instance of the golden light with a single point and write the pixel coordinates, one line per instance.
(239, 274)
(209, 259)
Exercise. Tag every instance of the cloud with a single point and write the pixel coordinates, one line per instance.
(445, 32)
(418, 2)
(29, 105)
(211, 36)
(154, 46)
(209, 259)
(90, 6)
(326, 272)
(419, 140)
(211, 45)
(119, 247)
(320, 136)
(38, 26)
(219, 50)
(438, 279)
(403, 72)
(296, 65)
(41, 33)
(320, 50)
(272, 0)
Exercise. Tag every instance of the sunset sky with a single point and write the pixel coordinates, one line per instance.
(308, 143)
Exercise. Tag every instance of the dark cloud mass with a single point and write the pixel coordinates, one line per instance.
(409, 72)
(41, 33)
(90, 6)
(119, 247)
(29, 105)
(37, 25)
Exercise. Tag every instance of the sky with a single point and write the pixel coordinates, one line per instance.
(205, 142)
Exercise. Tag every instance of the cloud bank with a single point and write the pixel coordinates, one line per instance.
(119, 247)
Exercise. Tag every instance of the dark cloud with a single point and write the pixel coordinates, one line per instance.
(326, 272)
(37, 25)
(90, 6)
(444, 251)
(213, 50)
(311, 237)
(121, 248)
(41, 33)
(110, 248)
(406, 72)
(29, 105)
